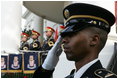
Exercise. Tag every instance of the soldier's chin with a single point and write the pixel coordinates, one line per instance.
(69, 57)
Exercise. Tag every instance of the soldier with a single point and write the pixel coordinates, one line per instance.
(49, 42)
(85, 35)
(35, 45)
(24, 43)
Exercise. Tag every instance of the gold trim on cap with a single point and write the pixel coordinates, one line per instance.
(87, 16)
(34, 34)
(49, 30)
(24, 36)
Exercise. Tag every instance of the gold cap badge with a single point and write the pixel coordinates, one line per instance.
(66, 13)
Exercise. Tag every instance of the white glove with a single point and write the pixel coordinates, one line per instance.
(53, 55)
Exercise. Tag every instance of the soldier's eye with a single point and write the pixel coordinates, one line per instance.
(46, 31)
(72, 34)
(69, 34)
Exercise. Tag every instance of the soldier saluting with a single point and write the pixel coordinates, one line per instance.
(49, 42)
(24, 43)
(35, 45)
(85, 35)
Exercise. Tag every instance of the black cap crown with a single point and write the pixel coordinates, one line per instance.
(78, 13)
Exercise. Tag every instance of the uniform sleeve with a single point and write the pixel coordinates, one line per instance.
(39, 45)
(52, 40)
(35, 46)
(26, 46)
(42, 73)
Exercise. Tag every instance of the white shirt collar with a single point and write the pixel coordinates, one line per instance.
(81, 71)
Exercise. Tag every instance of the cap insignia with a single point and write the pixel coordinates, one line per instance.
(66, 13)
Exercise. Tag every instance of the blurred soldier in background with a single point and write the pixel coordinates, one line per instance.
(24, 43)
(49, 42)
(35, 45)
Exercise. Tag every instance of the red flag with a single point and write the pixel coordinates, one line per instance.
(56, 34)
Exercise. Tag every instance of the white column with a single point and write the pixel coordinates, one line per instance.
(10, 25)
(37, 24)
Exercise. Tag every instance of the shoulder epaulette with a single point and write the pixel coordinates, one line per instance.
(50, 43)
(35, 45)
(103, 73)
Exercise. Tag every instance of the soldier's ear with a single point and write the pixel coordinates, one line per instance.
(94, 40)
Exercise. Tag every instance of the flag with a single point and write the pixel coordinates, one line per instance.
(4, 63)
(15, 63)
(30, 62)
(56, 34)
